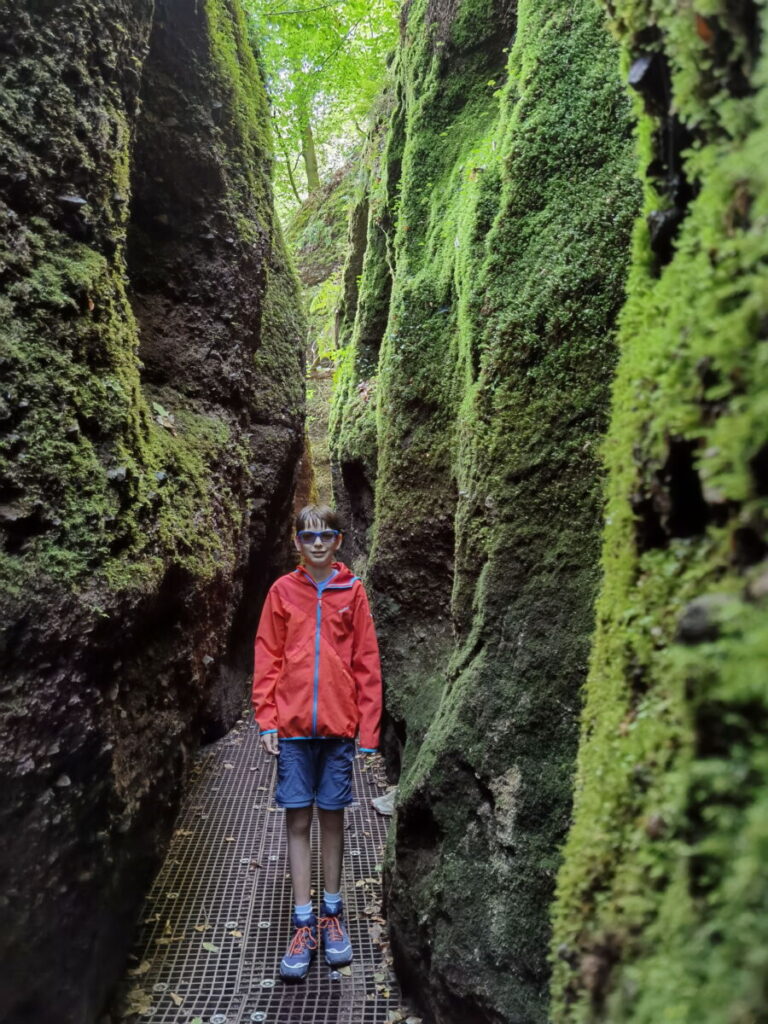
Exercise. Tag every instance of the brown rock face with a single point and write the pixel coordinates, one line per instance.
(150, 421)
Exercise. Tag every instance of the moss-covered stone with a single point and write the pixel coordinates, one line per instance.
(501, 215)
(150, 422)
(661, 910)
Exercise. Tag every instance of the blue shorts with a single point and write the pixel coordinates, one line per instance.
(315, 771)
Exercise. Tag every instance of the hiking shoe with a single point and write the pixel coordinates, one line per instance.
(334, 936)
(295, 964)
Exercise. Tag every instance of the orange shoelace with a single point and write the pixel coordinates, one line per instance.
(303, 939)
(332, 924)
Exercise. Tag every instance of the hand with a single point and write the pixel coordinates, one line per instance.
(269, 742)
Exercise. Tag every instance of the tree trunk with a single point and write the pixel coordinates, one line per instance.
(309, 155)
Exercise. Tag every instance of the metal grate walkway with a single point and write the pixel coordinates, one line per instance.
(216, 920)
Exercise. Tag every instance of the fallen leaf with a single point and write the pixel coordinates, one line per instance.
(202, 927)
(141, 969)
(236, 934)
(210, 947)
(137, 1001)
(346, 970)
(228, 764)
(379, 976)
(177, 999)
(183, 832)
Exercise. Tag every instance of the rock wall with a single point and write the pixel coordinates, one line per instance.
(499, 204)
(150, 421)
(661, 911)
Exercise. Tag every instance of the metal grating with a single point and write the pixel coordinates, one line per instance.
(225, 883)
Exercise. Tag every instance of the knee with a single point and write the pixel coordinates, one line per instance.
(298, 821)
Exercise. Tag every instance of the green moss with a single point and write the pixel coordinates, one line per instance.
(661, 913)
(501, 214)
(246, 142)
(110, 481)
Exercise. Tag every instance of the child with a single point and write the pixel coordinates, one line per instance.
(316, 684)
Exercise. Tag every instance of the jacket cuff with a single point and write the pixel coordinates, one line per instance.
(368, 750)
(264, 732)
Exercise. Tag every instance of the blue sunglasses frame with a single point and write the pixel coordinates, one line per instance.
(310, 536)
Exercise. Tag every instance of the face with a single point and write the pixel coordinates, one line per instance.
(318, 554)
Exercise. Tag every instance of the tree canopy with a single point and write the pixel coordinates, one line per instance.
(324, 63)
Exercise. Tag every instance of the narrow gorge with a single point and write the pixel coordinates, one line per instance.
(541, 280)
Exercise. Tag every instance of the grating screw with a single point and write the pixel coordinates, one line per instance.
(273, 856)
(265, 924)
(245, 860)
(354, 853)
(268, 983)
(218, 1018)
(334, 976)
(231, 924)
(258, 1017)
(161, 986)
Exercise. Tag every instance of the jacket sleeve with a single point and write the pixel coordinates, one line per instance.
(366, 670)
(268, 662)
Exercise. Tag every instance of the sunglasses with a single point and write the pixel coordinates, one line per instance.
(310, 536)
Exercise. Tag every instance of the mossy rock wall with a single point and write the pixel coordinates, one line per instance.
(500, 214)
(150, 421)
(316, 236)
(662, 899)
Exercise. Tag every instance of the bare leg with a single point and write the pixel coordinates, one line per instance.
(331, 846)
(298, 821)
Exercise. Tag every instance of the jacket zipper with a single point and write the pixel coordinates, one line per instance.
(316, 683)
(317, 664)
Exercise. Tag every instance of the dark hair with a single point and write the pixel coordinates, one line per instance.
(321, 513)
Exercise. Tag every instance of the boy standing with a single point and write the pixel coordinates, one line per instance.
(316, 685)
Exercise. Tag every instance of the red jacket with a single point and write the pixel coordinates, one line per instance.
(316, 669)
